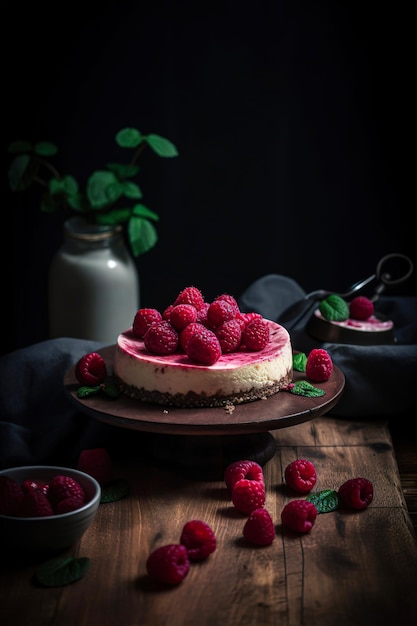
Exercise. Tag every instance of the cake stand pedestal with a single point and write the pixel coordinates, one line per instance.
(205, 441)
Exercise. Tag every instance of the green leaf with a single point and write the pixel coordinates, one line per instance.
(325, 501)
(299, 361)
(67, 185)
(62, 571)
(114, 191)
(78, 202)
(129, 138)
(334, 308)
(306, 389)
(163, 147)
(84, 392)
(123, 171)
(130, 190)
(45, 148)
(19, 146)
(22, 172)
(98, 188)
(142, 235)
(110, 389)
(113, 217)
(114, 491)
(140, 210)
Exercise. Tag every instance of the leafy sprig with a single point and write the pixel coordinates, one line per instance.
(111, 196)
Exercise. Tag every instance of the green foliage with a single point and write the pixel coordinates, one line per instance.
(114, 491)
(61, 571)
(325, 501)
(306, 389)
(299, 361)
(110, 196)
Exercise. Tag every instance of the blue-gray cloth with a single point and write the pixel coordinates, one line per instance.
(38, 423)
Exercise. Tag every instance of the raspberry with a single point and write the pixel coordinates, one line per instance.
(299, 516)
(91, 369)
(11, 496)
(98, 463)
(361, 308)
(229, 335)
(301, 475)
(259, 528)
(190, 295)
(220, 311)
(61, 487)
(166, 315)
(231, 300)
(161, 338)
(28, 485)
(203, 347)
(181, 315)
(248, 495)
(36, 504)
(248, 317)
(356, 493)
(255, 335)
(143, 319)
(168, 564)
(68, 504)
(319, 365)
(242, 469)
(188, 331)
(202, 314)
(199, 539)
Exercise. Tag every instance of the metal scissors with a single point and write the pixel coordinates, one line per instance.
(392, 269)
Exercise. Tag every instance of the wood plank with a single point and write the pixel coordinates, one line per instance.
(352, 568)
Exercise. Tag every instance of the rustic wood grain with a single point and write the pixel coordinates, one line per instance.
(352, 569)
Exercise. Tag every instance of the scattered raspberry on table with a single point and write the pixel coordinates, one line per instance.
(248, 495)
(300, 475)
(356, 493)
(299, 516)
(199, 539)
(242, 469)
(168, 564)
(259, 528)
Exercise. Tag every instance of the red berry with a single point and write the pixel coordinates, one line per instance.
(166, 315)
(356, 493)
(143, 319)
(188, 332)
(181, 315)
(11, 496)
(161, 338)
(301, 475)
(242, 469)
(36, 504)
(62, 486)
(203, 347)
(220, 311)
(91, 369)
(190, 295)
(255, 335)
(202, 314)
(231, 300)
(259, 528)
(319, 366)
(248, 495)
(30, 485)
(229, 334)
(299, 516)
(169, 564)
(199, 539)
(98, 463)
(361, 308)
(68, 504)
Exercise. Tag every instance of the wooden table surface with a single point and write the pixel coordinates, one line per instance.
(352, 569)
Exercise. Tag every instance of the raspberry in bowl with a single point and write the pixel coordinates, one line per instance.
(45, 508)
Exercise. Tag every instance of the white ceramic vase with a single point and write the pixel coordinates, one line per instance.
(93, 284)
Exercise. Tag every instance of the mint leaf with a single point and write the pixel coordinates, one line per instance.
(61, 571)
(84, 392)
(110, 389)
(114, 491)
(334, 308)
(306, 389)
(299, 361)
(325, 501)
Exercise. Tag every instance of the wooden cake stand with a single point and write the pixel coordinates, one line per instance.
(207, 439)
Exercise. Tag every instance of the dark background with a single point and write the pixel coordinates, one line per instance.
(294, 123)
